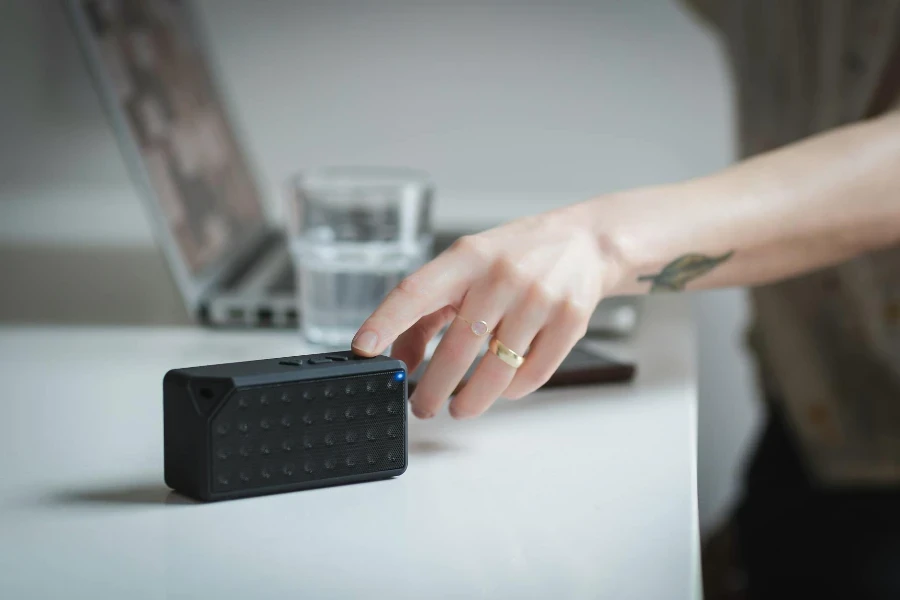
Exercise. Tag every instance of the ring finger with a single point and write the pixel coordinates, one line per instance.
(482, 307)
(492, 376)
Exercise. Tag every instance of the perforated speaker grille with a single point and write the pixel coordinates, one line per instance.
(276, 436)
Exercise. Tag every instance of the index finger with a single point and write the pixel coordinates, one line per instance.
(439, 283)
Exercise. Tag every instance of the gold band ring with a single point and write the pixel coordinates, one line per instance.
(505, 354)
(479, 328)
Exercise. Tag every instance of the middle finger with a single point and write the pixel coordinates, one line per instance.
(486, 302)
(492, 376)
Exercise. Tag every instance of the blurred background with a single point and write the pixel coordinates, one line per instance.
(514, 107)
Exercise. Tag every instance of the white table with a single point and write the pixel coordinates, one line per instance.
(582, 493)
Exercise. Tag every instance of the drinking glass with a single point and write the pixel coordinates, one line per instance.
(355, 233)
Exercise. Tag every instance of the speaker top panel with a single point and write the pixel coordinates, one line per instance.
(292, 368)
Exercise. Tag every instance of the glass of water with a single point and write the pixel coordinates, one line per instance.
(355, 233)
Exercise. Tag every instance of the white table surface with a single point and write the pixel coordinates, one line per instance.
(582, 493)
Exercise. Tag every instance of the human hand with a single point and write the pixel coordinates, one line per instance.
(533, 282)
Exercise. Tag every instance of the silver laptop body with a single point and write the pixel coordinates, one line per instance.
(229, 260)
(147, 60)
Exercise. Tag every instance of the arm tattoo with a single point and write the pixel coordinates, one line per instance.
(681, 271)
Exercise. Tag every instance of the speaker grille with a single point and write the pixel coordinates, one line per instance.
(308, 431)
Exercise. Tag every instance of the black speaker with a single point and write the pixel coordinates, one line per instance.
(279, 425)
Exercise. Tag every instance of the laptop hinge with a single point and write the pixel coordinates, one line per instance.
(241, 267)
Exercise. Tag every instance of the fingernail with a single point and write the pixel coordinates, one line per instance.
(422, 414)
(365, 341)
(418, 410)
(460, 415)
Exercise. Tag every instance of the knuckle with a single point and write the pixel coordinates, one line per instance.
(471, 245)
(581, 331)
(508, 272)
(540, 296)
(411, 285)
(575, 315)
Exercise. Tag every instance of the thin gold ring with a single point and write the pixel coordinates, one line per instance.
(505, 354)
(479, 328)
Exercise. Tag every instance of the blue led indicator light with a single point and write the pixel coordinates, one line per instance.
(400, 375)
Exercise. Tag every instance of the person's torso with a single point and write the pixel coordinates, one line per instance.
(828, 342)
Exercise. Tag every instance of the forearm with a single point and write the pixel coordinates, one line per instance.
(812, 204)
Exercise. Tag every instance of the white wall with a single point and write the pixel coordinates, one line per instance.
(515, 107)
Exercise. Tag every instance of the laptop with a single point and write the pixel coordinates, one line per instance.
(228, 258)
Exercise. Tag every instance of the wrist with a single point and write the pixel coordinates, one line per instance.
(638, 233)
(599, 219)
(665, 238)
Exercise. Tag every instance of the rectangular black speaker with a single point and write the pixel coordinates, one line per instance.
(279, 425)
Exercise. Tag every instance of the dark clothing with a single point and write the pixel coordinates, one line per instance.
(828, 343)
(822, 493)
(799, 540)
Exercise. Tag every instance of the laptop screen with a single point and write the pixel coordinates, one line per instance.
(162, 83)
